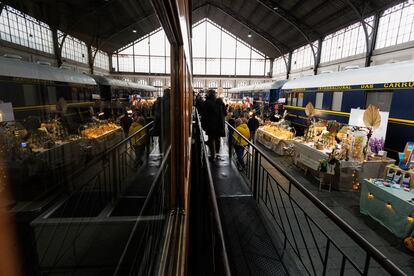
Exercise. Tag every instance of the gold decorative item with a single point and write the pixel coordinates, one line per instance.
(372, 120)
(372, 117)
(309, 110)
(355, 181)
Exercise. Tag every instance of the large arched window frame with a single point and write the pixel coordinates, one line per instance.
(217, 52)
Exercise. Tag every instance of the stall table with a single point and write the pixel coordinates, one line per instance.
(397, 216)
(310, 158)
(272, 142)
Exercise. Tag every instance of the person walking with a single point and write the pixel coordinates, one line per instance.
(212, 121)
(253, 125)
(222, 112)
(138, 141)
(125, 122)
(232, 122)
(240, 142)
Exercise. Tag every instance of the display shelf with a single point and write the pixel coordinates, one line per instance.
(403, 172)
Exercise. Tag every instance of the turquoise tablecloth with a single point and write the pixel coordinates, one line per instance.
(395, 218)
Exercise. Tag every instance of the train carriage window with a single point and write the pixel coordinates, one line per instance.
(16, 98)
(31, 95)
(319, 100)
(290, 98)
(51, 94)
(300, 99)
(75, 94)
(380, 99)
(337, 101)
(295, 98)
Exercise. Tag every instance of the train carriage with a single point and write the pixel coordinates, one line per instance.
(37, 90)
(264, 95)
(390, 87)
(115, 94)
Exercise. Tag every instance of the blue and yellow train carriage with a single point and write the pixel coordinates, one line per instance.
(35, 90)
(264, 95)
(389, 86)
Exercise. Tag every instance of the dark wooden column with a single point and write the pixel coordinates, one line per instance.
(174, 16)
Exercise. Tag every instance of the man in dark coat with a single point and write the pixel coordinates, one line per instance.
(213, 122)
(253, 125)
(232, 122)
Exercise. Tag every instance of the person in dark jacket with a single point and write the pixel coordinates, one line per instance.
(222, 122)
(126, 122)
(232, 122)
(253, 125)
(199, 103)
(212, 121)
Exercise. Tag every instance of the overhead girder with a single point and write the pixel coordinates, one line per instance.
(369, 31)
(301, 27)
(278, 45)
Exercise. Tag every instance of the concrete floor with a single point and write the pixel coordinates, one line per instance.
(346, 205)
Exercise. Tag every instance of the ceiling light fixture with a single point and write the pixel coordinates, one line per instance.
(276, 8)
(134, 31)
(249, 35)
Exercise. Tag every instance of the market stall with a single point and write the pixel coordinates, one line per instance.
(310, 158)
(345, 153)
(101, 136)
(389, 204)
(275, 138)
(40, 155)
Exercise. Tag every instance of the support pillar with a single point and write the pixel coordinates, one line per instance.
(57, 47)
(110, 62)
(272, 61)
(91, 59)
(318, 57)
(288, 65)
(372, 39)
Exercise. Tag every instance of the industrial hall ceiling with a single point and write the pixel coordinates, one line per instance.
(276, 27)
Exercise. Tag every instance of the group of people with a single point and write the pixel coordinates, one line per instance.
(213, 113)
(247, 126)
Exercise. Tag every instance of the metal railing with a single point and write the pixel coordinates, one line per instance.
(88, 192)
(142, 252)
(305, 229)
(208, 254)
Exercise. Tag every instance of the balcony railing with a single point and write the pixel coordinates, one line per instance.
(305, 230)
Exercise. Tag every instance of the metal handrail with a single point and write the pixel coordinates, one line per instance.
(384, 261)
(216, 214)
(148, 198)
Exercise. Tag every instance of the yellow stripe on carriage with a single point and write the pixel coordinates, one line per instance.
(391, 120)
(34, 107)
